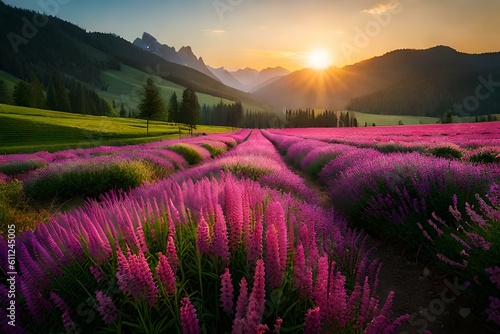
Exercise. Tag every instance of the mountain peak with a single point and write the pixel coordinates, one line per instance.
(148, 38)
(186, 49)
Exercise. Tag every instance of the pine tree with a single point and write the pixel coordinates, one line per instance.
(37, 99)
(4, 96)
(123, 112)
(152, 105)
(22, 94)
(190, 109)
(51, 97)
(173, 108)
(62, 97)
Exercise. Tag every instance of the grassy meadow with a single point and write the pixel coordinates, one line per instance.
(24, 130)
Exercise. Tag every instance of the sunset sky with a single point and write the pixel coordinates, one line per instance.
(268, 33)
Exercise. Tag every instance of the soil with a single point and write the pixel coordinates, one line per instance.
(425, 295)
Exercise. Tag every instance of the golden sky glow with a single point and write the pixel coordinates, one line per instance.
(268, 33)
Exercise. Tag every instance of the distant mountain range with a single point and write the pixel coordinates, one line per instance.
(184, 56)
(427, 82)
(249, 79)
(246, 79)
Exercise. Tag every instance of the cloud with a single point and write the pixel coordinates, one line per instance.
(382, 7)
(213, 31)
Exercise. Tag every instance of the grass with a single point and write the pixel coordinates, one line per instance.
(27, 130)
(391, 119)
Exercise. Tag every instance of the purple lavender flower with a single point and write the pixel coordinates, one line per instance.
(313, 321)
(226, 297)
(60, 304)
(107, 309)
(165, 273)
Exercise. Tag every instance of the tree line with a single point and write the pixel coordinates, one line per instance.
(309, 118)
(59, 94)
(152, 106)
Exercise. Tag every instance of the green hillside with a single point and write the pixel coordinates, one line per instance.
(30, 130)
(391, 119)
(125, 87)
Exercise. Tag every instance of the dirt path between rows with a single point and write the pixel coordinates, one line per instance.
(432, 300)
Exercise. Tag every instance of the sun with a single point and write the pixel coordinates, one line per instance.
(319, 59)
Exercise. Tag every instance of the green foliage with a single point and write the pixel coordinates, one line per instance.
(15, 208)
(447, 152)
(484, 156)
(17, 167)
(189, 153)
(86, 179)
(215, 150)
(11, 194)
(251, 170)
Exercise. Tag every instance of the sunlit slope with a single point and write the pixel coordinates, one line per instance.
(29, 130)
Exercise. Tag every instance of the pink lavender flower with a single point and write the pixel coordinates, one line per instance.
(172, 257)
(493, 310)
(226, 297)
(107, 309)
(256, 302)
(302, 274)
(189, 319)
(275, 216)
(321, 286)
(241, 308)
(352, 303)
(219, 242)
(254, 250)
(337, 298)
(313, 321)
(387, 308)
(165, 273)
(396, 324)
(277, 325)
(261, 329)
(60, 304)
(378, 325)
(364, 310)
(234, 213)
(203, 235)
(274, 274)
(135, 277)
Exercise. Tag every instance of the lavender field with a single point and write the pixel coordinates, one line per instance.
(250, 232)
